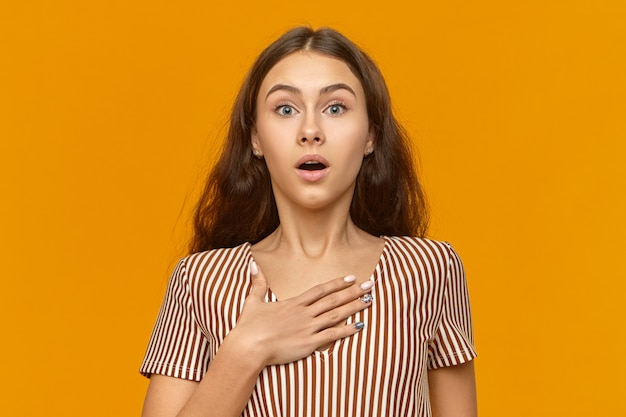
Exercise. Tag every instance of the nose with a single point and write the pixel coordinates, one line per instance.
(311, 131)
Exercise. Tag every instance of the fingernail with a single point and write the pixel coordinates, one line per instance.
(359, 325)
(349, 278)
(367, 285)
(254, 269)
(367, 298)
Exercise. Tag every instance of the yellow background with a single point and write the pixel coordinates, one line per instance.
(111, 110)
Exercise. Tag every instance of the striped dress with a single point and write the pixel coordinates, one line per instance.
(419, 320)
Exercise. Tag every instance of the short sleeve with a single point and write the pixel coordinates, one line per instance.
(177, 347)
(453, 343)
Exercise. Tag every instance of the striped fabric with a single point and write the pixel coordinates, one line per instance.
(419, 320)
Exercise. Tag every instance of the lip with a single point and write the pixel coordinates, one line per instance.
(312, 157)
(312, 176)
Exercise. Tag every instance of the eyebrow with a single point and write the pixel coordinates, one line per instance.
(297, 91)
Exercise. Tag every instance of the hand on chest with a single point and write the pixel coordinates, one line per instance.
(288, 277)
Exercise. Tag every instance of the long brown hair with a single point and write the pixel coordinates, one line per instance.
(237, 204)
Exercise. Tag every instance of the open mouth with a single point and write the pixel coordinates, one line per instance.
(312, 166)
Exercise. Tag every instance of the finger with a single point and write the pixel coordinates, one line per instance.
(342, 313)
(340, 298)
(332, 334)
(259, 284)
(322, 290)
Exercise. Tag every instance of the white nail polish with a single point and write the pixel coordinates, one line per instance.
(367, 285)
(349, 278)
(254, 269)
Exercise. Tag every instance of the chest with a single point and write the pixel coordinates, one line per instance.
(387, 358)
(407, 302)
(289, 276)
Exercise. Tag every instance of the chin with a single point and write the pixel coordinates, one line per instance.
(318, 202)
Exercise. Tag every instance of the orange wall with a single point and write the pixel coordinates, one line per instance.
(109, 111)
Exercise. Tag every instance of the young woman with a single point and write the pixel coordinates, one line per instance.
(311, 290)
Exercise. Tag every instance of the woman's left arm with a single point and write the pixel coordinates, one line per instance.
(453, 391)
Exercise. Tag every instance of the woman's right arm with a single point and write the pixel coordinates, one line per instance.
(265, 334)
(224, 390)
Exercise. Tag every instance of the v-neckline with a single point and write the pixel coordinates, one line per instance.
(270, 297)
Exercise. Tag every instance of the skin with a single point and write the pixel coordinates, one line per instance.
(316, 238)
(308, 104)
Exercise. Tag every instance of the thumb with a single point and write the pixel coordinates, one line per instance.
(259, 284)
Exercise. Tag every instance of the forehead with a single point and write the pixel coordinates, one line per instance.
(310, 70)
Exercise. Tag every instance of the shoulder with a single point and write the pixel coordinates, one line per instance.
(218, 261)
(426, 253)
(428, 246)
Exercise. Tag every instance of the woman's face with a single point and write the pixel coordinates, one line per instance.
(312, 129)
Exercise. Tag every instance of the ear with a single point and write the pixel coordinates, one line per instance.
(256, 144)
(369, 145)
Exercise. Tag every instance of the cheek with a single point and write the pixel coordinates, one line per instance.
(354, 137)
(355, 126)
(272, 134)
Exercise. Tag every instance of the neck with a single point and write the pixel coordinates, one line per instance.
(314, 233)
